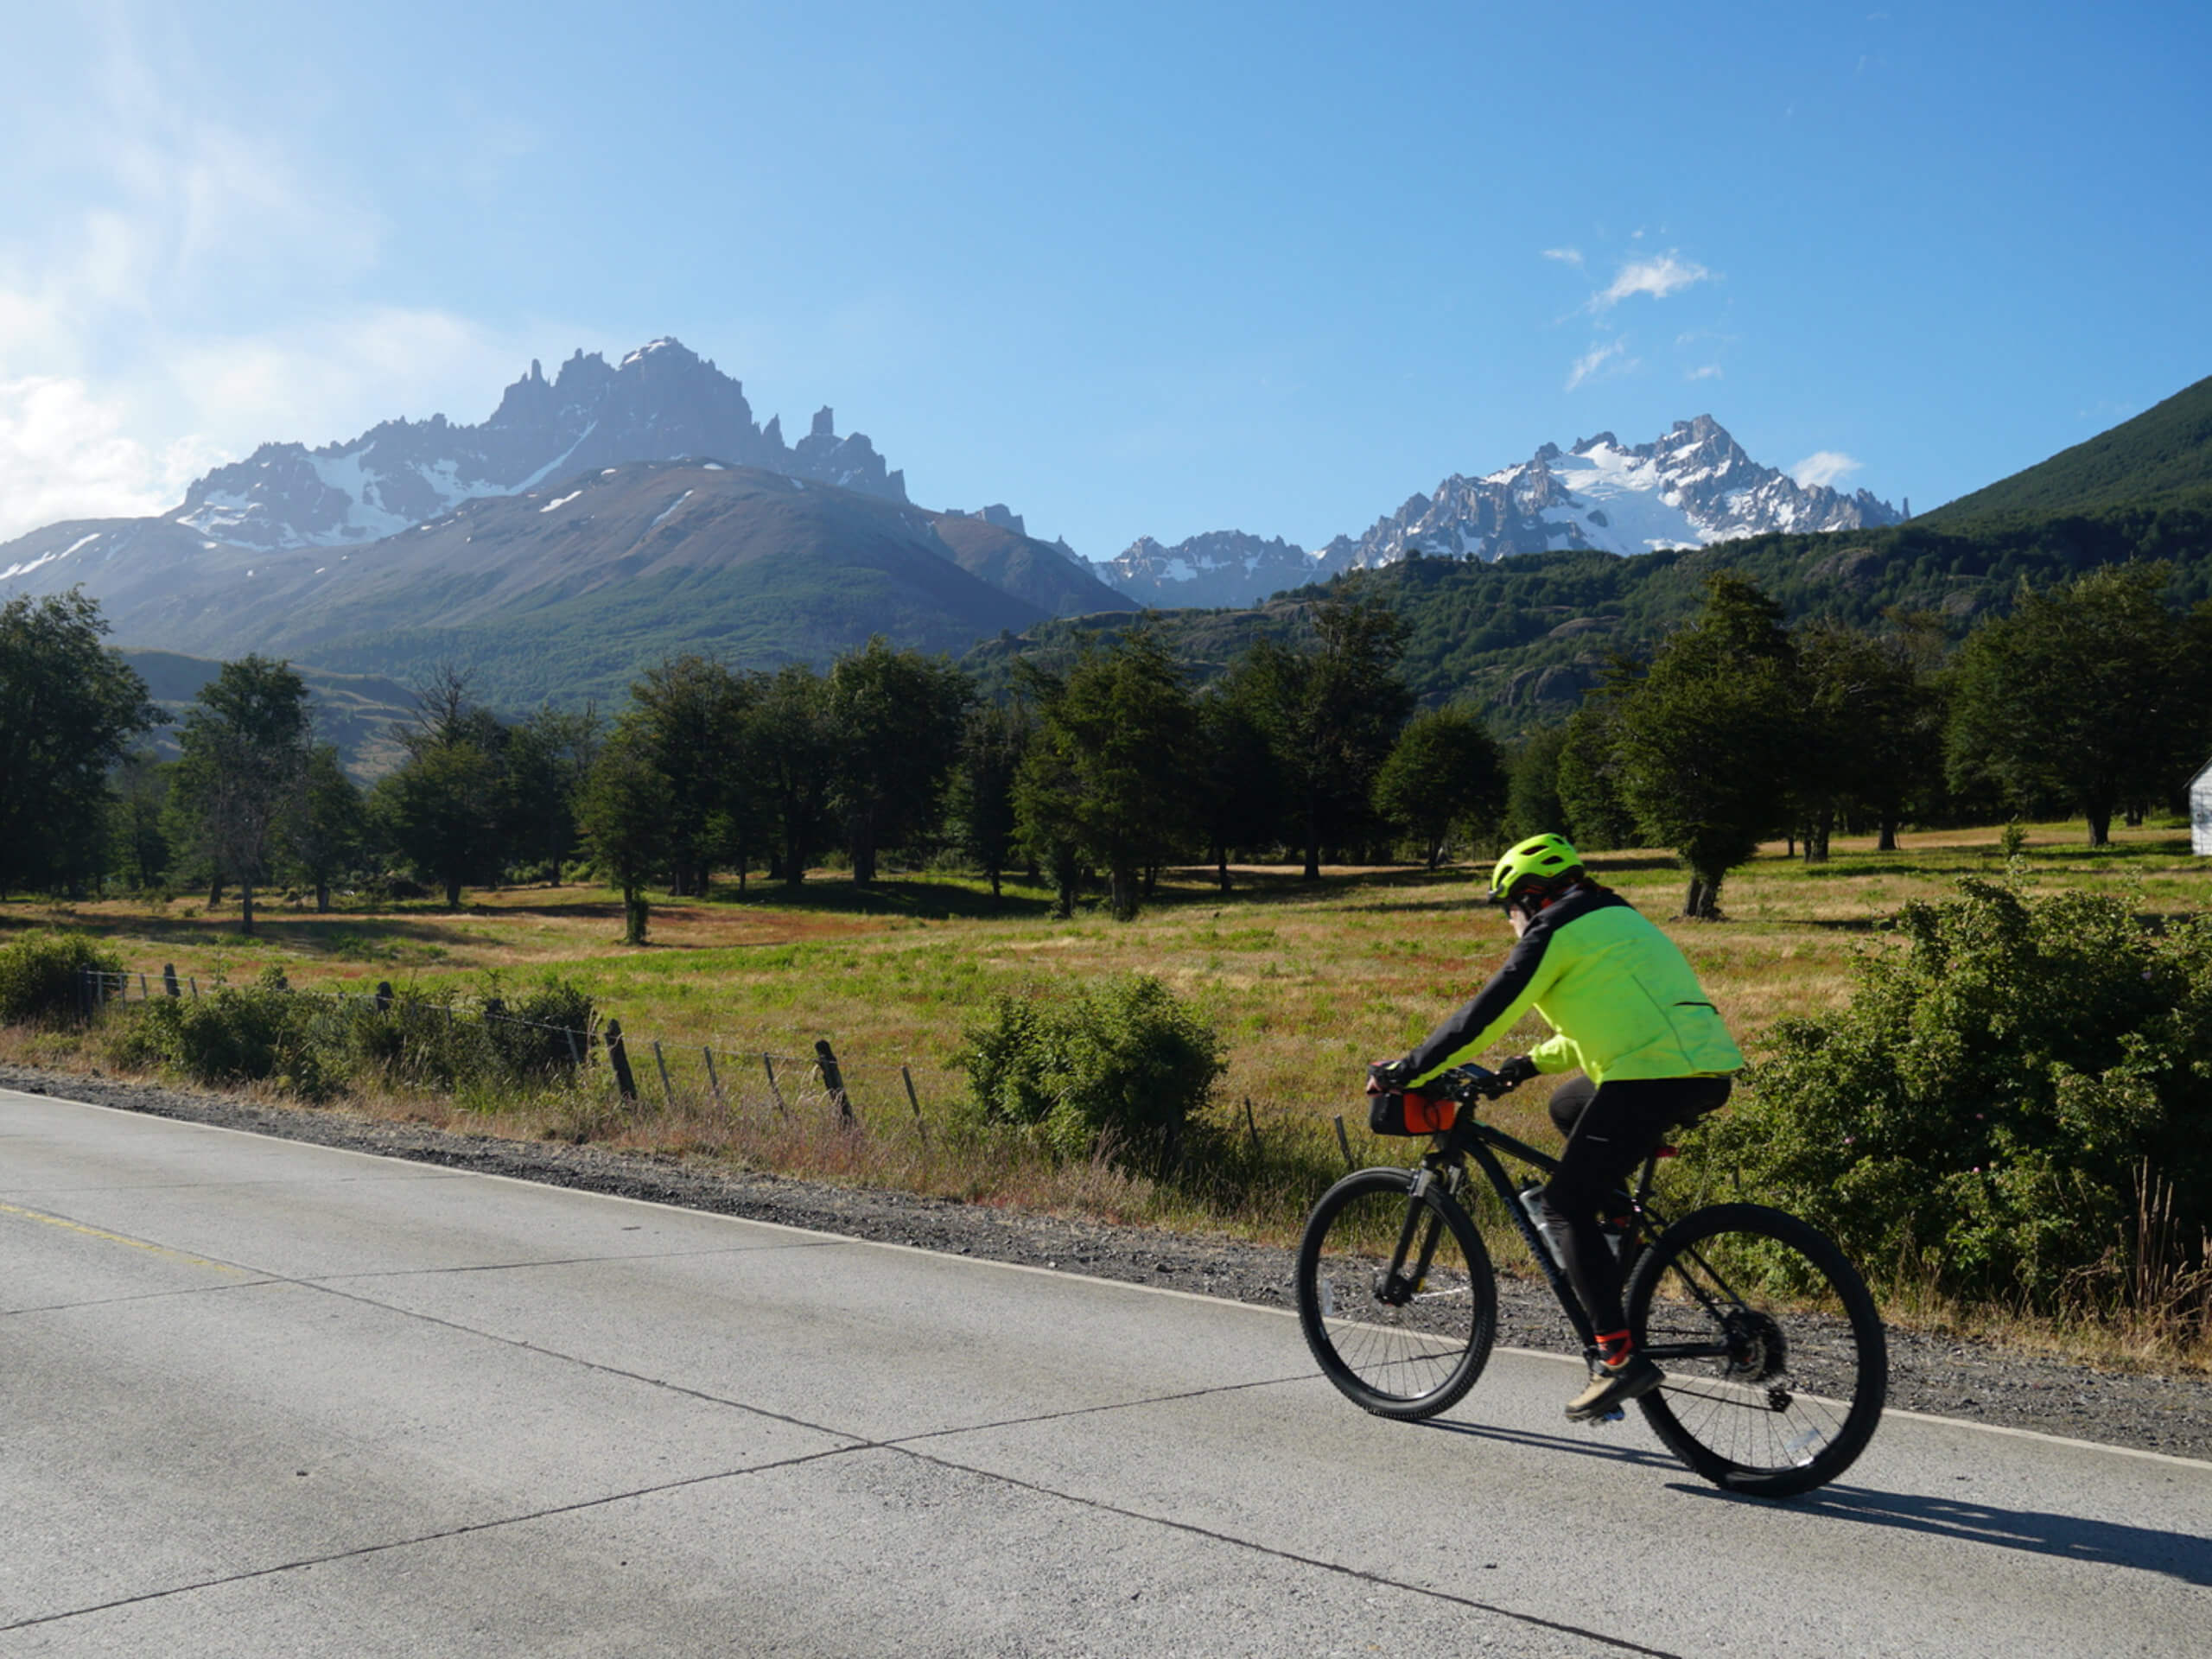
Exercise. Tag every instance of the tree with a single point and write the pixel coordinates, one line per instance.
(323, 833)
(794, 758)
(1239, 783)
(1107, 777)
(446, 806)
(1333, 710)
(1708, 743)
(625, 810)
(68, 709)
(690, 713)
(895, 717)
(1443, 772)
(1588, 775)
(1873, 744)
(548, 756)
(2086, 694)
(994, 738)
(1532, 803)
(244, 766)
(138, 827)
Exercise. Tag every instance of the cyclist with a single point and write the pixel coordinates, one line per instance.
(1627, 1012)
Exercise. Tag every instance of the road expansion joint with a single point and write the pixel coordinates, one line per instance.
(142, 1296)
(362, 1551)
(1614, 1643)
(902, 1441)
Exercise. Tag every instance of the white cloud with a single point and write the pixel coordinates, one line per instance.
(195, 291)
(1705, 372)
(1604, 357)
(1565, 256)
(1667, 273)
(1828, 466)
(64, 453)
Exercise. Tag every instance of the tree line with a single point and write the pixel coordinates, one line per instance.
(2089, 696)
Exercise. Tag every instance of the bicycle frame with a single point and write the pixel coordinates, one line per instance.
(1445, 1160)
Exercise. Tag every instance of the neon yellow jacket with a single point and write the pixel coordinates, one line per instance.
(1621, 1000)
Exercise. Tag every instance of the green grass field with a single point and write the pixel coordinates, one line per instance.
(1305, 981)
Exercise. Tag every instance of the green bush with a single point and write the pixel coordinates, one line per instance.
(1979, 1113)
(38, 974)
(314, 1045)
(1119, 1067)
(237, 1035)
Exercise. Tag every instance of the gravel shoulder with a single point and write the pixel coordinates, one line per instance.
(1943, 1375)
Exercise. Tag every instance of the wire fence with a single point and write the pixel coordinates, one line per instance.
(418, 1035)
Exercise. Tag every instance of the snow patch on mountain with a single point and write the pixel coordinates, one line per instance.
(1691, 488)
(660, 402)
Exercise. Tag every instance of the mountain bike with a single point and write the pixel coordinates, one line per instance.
(1775, 1361)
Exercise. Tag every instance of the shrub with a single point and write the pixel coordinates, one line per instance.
(1119, 1066)
(239, 1034)
(314, 1045)
(1978, 1113)
(38, 974)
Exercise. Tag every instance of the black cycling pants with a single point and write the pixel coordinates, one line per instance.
(1611, 1130)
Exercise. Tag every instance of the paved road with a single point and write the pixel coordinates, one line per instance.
(258, 1398)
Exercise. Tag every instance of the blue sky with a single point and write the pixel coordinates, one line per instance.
(1150, 270)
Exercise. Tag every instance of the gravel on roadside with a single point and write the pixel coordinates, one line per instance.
(1942, 1376)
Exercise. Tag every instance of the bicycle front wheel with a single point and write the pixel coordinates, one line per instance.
(1395, 1294)
(1777, 1365)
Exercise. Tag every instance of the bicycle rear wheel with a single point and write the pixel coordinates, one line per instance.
(1395, 1294)
(1777, 1365)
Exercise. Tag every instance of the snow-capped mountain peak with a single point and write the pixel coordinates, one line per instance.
(1690, 487)
(662, 402)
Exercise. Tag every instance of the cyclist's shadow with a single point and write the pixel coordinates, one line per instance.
(1633, 1454)
(2040, 1532)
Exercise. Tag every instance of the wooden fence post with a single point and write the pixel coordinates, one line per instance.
(906, 1077)
(769, 1061)
(1253, 1124)
(667, 1088)
(1343, 1139)
(714, 1082)
(620, 1059)
(833, 1079)
(384, 996)
(169, 979)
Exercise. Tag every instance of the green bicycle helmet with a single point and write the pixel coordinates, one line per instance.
(1540, 859)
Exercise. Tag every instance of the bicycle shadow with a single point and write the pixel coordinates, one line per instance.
(2038, 1532)
(1639, 1456)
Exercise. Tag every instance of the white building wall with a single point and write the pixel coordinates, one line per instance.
(2199, 812)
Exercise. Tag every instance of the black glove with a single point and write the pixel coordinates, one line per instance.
(1516, 1071)
(1387, 1076)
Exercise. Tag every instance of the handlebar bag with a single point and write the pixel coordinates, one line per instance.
(1410, 1113)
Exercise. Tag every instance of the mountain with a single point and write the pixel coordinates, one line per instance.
(1522, 638)
(1224, 567)
(568, 590)
(1690, 488)
(660, 402)
(2162, 456)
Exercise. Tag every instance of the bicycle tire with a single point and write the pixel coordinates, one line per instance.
(1410, 1352)
(1800, 1388)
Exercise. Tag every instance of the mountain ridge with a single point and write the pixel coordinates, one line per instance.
(661, 403)
(1693, 486)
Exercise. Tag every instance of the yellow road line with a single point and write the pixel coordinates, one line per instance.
(116, 1238)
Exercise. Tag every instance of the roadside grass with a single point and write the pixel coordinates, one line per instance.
(1306, 981)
